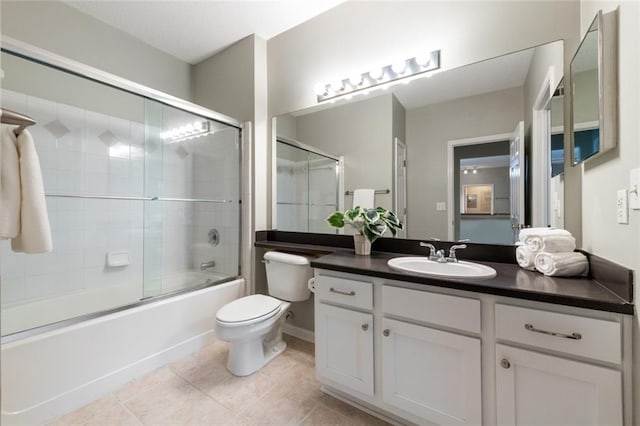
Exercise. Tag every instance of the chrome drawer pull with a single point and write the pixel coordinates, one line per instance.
(351, 293)
(574, 336)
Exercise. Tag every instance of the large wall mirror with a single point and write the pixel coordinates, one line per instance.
(594, 90)
(436, 147)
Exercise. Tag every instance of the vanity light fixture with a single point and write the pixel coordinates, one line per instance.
(188, 131)
(380, 77)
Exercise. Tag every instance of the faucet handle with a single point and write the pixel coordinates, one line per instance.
(431, 247)
(452, 251)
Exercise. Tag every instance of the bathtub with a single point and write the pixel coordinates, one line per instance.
(49, 374)
(49, 310)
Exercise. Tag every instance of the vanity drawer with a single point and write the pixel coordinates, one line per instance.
(358, 294)
(588, 337)
(435, 308)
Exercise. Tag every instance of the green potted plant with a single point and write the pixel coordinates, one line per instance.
(370, 224)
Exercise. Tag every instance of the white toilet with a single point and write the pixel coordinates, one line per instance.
(253, 324)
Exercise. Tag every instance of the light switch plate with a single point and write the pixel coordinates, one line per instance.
(622, 207)
(634, 189)
(441, 206)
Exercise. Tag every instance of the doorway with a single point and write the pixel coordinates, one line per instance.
(481, 187)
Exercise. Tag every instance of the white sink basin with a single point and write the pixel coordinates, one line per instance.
(424, 266)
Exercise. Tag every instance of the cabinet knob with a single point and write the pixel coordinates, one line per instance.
(504, 363)
(386, 332)
(365, 327)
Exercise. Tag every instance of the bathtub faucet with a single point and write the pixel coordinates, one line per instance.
(207, 265)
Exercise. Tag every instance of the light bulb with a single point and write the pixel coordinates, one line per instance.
(355, 80)
(475, 171)
(337, 86)
(198, 126)
(376, 73)
(465, 171)
(424, 60)
(399, 67)
(321, 89)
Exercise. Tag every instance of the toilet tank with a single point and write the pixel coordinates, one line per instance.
(288, 276)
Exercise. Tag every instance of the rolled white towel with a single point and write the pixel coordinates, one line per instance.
(524, 233)
(550, 243)
(525, 258)
(562, 264)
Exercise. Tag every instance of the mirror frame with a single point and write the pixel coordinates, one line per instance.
(607, 28)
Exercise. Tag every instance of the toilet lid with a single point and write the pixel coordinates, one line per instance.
(249, 308)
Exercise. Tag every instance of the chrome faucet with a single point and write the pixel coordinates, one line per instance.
(452, 252)
(432, 250)
(207, 265)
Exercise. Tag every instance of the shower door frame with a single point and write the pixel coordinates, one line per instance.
(32, 53)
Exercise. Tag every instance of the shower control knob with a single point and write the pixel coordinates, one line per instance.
(504, 363)
(365, 327)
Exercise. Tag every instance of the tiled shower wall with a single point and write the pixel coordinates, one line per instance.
(89, 153)
(80, 152)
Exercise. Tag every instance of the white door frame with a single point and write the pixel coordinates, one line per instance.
(541, 152)
(398, 142)
(451, 145)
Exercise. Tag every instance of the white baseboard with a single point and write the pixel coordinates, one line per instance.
(299, 332)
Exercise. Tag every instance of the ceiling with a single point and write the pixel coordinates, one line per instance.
(195, 30)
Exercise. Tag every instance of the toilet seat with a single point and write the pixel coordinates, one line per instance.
(248, 310)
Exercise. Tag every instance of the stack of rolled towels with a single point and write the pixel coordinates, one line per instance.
(550, 251)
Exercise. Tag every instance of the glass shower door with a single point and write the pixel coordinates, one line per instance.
(192, 222)
(307, 189)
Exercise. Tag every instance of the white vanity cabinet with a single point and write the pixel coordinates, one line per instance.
(537, 388)
(344, 333)
(434, 374)
(420, 354)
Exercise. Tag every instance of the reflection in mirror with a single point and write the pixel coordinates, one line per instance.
(594, 90)
(480, 101)
(307, 189)
(556, 188)
(584, 77)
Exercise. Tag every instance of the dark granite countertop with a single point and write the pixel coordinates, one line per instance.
(609, 287)
(510, 281)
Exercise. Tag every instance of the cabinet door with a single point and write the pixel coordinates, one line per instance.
(344, 347)
(537, 389)
(430, 373)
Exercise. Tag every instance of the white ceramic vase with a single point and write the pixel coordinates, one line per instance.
(362, 245)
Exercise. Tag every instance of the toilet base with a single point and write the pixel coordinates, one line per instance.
(247, 357)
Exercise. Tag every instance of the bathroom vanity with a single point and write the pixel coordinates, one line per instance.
(519, 348)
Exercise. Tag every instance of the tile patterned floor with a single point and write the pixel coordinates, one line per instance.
(198, 390)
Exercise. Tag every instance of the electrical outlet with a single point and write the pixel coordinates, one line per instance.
(440, 206)
(634, 189)
(622, 208)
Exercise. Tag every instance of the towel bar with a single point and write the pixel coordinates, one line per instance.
(377, 191)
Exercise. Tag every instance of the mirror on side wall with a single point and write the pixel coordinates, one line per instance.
(456, 129)
(594, 90)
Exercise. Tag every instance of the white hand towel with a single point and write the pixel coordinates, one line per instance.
(550, 243)
(525, 258)
(526, 232)
(562, 264)
(9, 184)
(364, 198)
(35, 232)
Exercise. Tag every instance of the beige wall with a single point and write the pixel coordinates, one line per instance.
(60, 29)
(428, 131)
(225, 82)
